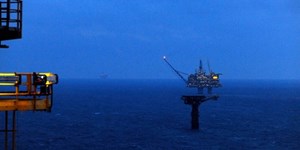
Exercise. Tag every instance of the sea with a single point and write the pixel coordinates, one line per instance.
(140, 114)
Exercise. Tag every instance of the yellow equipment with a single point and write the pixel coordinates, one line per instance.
(27, 91)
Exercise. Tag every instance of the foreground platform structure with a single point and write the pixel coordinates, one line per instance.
(24, 92)
(10, 20)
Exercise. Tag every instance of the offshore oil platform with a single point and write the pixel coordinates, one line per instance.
(20, 91)
(201, 81)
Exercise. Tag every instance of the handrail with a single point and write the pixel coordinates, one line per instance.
(31, 91)
(8, 10)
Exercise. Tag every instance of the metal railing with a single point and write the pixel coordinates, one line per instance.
(11, 14)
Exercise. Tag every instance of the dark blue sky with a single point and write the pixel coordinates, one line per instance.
(243, 39)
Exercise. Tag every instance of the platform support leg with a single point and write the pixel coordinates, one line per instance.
(13, 131)
(195, 116)
(195, 101)
(6, 131)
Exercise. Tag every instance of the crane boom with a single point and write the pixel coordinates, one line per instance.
(176, 71)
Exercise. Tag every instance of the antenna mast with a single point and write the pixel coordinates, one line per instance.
(209, 66)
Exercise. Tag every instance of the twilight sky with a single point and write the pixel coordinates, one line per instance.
(243, 39)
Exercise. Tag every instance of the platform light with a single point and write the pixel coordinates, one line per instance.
(39, 79)
(9, 79)
(215, 77)
(50, 78)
